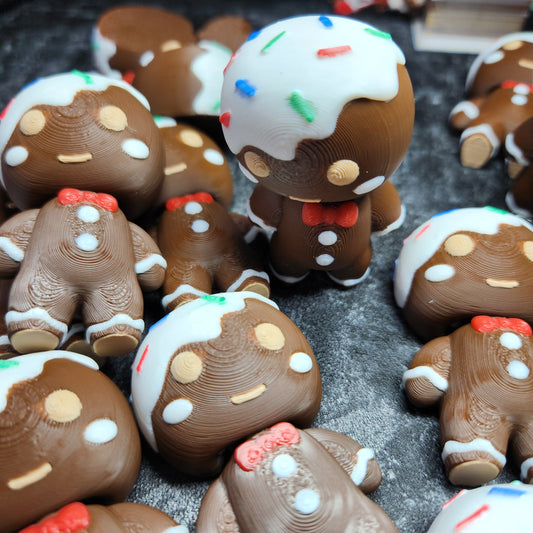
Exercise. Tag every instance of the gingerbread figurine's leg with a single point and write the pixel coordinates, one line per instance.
(522, 448)
(237, 273)
(356, 272)
(388, 212)
(184, 282)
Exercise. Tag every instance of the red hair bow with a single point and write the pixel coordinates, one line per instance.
(250, 453)
(73, 518)
(200, 197)
(343, 214)
(485, 324)
(75, 196)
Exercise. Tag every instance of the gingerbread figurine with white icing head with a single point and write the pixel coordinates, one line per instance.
(77, 253)
(319, 111)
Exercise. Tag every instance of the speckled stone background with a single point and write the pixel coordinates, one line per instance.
(360, 341)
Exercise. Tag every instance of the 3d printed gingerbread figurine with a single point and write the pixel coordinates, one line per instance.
(216, 370)
(78, 252)
(285, 479)
(66, 433)
(83, 131)
(482, 376)
(118, 518)
(499, 90)
(321, 137)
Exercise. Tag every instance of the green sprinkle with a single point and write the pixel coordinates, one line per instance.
(221, 300)
(95, 46)
(216, 106)
(86, 77)
(378, 33)
(8, 364)
(302, 106)
(496, 210)
(272, 41)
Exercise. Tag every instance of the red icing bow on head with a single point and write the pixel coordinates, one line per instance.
(75, 196)
(343, 214)
(485, 324)
(178, 201)
(250, 453)
(511, 84)
(73, 518)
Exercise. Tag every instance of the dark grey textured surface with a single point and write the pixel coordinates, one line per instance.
(358, 336)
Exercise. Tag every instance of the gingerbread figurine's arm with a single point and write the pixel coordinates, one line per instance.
(358, 462)
(265, 209)
(215, 504)
(388, 212)
(149, 263)
(15, 234)
(426, 380)
(464, 112)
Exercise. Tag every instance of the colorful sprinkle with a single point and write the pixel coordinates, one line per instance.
(214, 299)
(506, 491)
(143, 356)
(496, 210)
(8, 364)
(422, 231)
(272, 41)
(245, 88)
(233, 56)
(444, 213)
(216, 107)
(158, 323)
(326, 21)
(334, 51)
(379, 33)
(88, 80)
(253, 35)
(225, 119)
(473, 517)
(302, 106)
(128, 76)
(6, 109)
(460, 493)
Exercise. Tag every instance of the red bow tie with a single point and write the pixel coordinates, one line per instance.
(343, 214)
(178, 201)
(73, 518)
(75, 196)
(485, 324)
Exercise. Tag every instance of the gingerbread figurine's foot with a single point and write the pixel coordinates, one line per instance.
(115, 344)
(473, 473)
(34, 340)
(476, 150)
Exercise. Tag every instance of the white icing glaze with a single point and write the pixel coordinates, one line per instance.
(88, 213)
(16, 155)
(177, 529)
(284, 465)
(149, 262)
(438, 273)
(56, 90)
(524, 467)
(476, 445)
(246, 274)
(428, 373)
(200, 226)
(193, 208)
(301, 362)
(247, 173)
(259, 222)
(100, 431)
(368, 70)
(425, 240)
(487, 131)
(470, 109)
(349, 282)
(488, 53)
(307, 501)
(327, 238)
(135, 148)
(182, 289)
(118, 320)
(509, 508)
(360, 469)
(208, 67)
(510, 340)
(518, 370)
(11, 249)
(177, 411)
(29, 366)
(369, 185)
(288, 279)
(324, 259)
(35, 314)
(195, 321)
(86, 242)
(103, 50)
(165, 122)
(514, 151)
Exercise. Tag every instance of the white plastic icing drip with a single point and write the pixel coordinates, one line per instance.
(100, 431)
(247, 274)
(177, 411)
(147, 263)
(364, 456)
(426, 372)
(11, 249)
(476, 445)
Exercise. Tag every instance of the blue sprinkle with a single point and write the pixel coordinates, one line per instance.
(158, 323)
(326, 21)
(245, 88)
(253, 35)
(444, 212)
(506, 491)
(31, 83)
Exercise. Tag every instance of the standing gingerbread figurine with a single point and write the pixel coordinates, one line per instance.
(319, 111)
(77, 252)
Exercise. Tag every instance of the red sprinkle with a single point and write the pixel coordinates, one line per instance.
(422, 231)
(334, 51)
(143, 356)
(342, 8)
(460, 493)
(128, 76)
(73, 518)
(474, 516)
(225, 119)
(6, 109)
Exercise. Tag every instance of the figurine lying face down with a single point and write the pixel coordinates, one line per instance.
(285, 479)
(78, 252)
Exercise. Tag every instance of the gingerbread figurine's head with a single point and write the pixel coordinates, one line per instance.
(318, 108)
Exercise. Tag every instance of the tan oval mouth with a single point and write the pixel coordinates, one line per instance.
(30, 477)
(502, 283)
(75, 158)
(305, 200)
(175, 169)
(248, 395)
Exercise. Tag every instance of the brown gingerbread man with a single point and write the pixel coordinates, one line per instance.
(77, 252)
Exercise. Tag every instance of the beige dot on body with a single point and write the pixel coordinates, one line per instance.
(169, 45)
(186, 367)
(342, 172)
(32, 122)
(269, 336)
(191, 138)
(513, 45)
(459, 245)
(527, 247)
(113, 118)
(63, 406)
(256, 164)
